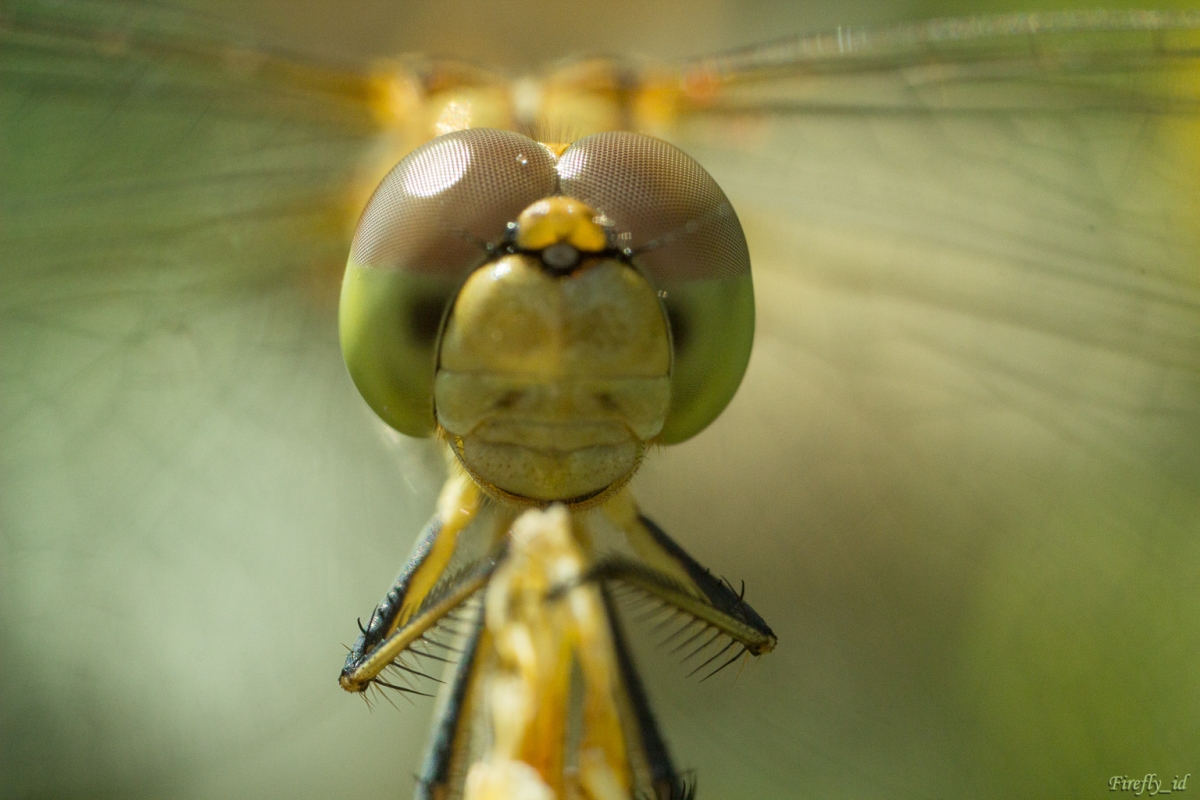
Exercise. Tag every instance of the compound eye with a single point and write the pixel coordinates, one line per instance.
(424, 231)
(437, 208)
(661, 204)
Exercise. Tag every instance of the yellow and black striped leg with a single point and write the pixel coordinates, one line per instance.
(653, 755)
(422, 595)
(666, 574)
(450, 744)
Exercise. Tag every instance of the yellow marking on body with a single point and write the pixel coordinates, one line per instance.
(623, 511)
(395, 95)
(656, 102)
(560, 220)
(457, 505)
(455, 116)
(583, 98)
(528, 695)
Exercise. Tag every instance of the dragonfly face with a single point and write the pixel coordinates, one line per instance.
(553, 369)
(552, 387)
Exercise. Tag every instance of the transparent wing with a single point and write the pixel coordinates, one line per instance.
(184, 462)
(961, 475)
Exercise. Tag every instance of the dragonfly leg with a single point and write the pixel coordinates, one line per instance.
(457, 506)
(667, 573)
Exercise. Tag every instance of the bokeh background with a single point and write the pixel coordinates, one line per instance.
(961, 479)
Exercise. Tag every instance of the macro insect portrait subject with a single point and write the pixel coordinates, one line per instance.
(887, 316)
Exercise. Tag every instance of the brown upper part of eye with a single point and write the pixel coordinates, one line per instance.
(437, 209)
(658, 202)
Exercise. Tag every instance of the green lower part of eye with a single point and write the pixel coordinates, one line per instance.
(713, 324)
(388, 323)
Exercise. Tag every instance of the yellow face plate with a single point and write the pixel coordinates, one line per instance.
(551, 386)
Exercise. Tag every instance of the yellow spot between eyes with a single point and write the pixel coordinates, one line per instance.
(558, 220)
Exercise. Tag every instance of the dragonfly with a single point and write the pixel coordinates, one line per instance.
(959, 476)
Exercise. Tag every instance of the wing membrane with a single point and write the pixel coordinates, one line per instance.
(1099, 50)
(967, 442)
(171, 241)
(977, 308)
(171, 57)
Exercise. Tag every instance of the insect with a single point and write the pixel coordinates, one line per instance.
(550, 310)
(959, 476)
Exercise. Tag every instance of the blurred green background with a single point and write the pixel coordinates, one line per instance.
(961, 479)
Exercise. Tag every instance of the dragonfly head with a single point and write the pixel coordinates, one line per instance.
(551, 310)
